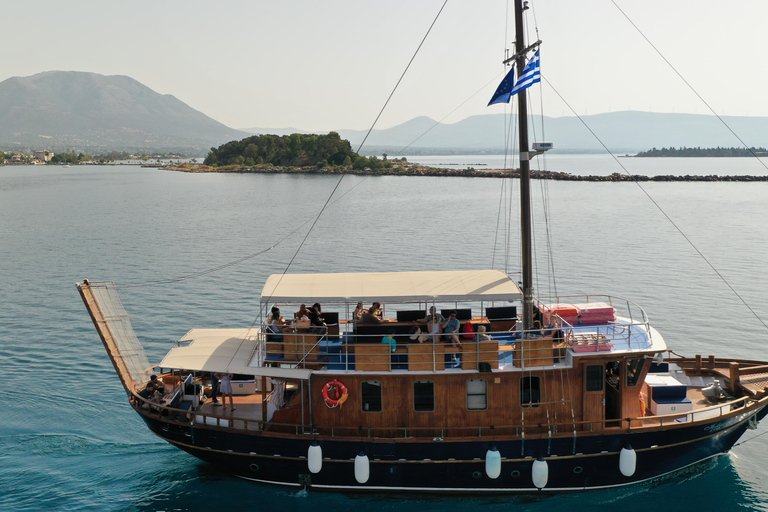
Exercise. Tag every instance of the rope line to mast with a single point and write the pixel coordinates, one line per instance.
(402, 76)
(689, 86)
(658, 206)
(325, 205)
(330, 196)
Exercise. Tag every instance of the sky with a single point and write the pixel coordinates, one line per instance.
(327, 65)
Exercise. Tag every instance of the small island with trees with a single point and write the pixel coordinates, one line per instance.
(295, 150)
(330, 154)
(717, 152)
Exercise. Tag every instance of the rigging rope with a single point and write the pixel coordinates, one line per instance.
(690, 87)
(437, 123)
(325, 206)
(402, 76)
(658, 206)
(750, 439)
(328, 201)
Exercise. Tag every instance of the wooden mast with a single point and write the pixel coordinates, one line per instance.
(525, 174)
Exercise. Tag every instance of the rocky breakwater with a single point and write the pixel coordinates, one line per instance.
(420, 170)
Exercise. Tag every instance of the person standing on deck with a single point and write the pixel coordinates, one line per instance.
(214, 388)
(226, 389)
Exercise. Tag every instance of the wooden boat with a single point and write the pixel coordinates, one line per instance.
(558, 394)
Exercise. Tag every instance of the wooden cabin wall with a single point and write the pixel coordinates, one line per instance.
(563, 393)
(451, 412)
(631, 394)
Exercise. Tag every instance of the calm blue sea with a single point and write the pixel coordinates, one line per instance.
(69, 441)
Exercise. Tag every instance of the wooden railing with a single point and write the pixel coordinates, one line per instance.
(559, 429)
(369, 353)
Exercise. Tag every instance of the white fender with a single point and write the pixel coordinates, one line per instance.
(493, 463)
(315, 458)
(627, 461)
(362, 468)
(540, 473)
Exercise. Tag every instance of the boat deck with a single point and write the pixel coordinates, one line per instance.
(247, 415)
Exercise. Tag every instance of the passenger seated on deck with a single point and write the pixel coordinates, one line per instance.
(555, 330)
(481, 335)
(433, 320)
(451, 329)
(357, 314)
(416, 336)
(302, 313)
(390, 338)
(152, 387)
(538, 319)
(316, 319)
(369, 317)
(275, 323)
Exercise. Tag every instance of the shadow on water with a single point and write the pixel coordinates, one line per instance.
(712, 485)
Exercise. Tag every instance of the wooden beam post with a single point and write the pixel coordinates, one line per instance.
(734, 368)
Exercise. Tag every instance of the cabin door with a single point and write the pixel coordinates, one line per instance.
(594, 395)
(612, 391)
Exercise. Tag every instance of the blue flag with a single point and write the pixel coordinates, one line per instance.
(531, 75)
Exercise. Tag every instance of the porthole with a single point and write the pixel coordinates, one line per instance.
(254, 467)
(577, 470)
(515, 474)
(476, 475)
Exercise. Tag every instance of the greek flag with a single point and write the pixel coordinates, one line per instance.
(531, 74)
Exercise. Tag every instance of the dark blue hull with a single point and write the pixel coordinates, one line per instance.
(573, 464)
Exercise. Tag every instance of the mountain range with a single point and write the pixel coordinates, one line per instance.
(621, 132)
(59, 110)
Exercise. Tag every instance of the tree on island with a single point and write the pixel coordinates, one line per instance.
(702, 152)
(297, 150)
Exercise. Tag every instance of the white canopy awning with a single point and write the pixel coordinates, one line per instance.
(225, 351)
(437, 286)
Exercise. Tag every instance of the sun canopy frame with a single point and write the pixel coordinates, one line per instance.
(392, 287)
(225, 351)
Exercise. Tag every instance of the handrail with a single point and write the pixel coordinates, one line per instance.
(565, 428)
(534, 348)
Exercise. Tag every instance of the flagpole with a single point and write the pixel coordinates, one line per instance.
(525, 175)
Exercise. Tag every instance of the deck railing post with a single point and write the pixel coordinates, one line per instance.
(734, 372)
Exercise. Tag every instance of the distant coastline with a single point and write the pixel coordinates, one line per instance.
(699, 152)
(420, 170)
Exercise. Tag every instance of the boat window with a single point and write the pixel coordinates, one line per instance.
(370, 393)
(530, 392)
(594, 377)
(423, 396)
(634, 367)
(477, 394)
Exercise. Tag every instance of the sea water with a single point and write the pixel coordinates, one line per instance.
(590, 164)
(69, 440)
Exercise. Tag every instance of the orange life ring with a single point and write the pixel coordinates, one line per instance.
(340, 392)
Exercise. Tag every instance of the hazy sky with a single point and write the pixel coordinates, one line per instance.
(322, 65)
